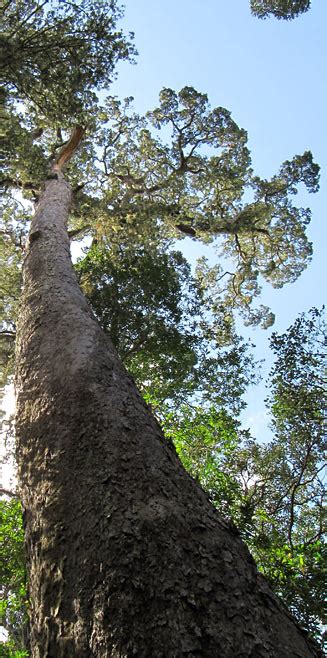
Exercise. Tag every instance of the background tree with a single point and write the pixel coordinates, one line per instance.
(274, 492)
(296, 536)
(282, 9)
(164, 331)
(13, 579)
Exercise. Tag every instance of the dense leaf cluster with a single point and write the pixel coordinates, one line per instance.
(274, 492)
(13, 579)
(146, 298)
(281, 9)
(44, 44)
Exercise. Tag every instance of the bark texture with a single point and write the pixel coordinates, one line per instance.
(126, 555)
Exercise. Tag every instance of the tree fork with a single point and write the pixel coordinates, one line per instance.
(69, 148)
(126, 555)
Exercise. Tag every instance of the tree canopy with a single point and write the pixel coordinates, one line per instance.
(196, 183)
(281, 9)
(164, 333)
(138, 193)
(273, 491)
(46, 43)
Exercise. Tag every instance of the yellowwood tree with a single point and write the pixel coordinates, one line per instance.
(126, 555)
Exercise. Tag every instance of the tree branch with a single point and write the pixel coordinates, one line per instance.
(69, 148)
(7, 492)
(77, 231)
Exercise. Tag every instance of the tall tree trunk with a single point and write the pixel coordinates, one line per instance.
(126, 555)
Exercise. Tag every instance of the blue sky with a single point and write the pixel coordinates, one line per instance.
(272, 76)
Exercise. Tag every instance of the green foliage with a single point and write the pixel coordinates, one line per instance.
(12, 237)
(198, 183)
(8, 651)
(273, 492)
(282, 9)
(146, 298)
(288, 491)
(13, 578)
(294, 468)
(297, 576)
(280, 517)
(24, 161)
(207, 441)
(54, 55)
(299, 379)
(138, 294)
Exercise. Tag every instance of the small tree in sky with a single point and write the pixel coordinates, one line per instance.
(282, 9)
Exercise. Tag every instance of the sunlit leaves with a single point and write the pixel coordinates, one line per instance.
(184, 170)
(198, 182)
(299, 379)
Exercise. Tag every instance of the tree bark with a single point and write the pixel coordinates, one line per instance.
(126, 555)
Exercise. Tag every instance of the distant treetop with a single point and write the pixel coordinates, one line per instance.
(282, 9)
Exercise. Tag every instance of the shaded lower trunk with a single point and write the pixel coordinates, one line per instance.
(126, 555)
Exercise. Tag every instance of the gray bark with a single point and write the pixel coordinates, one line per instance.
(126, 555)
